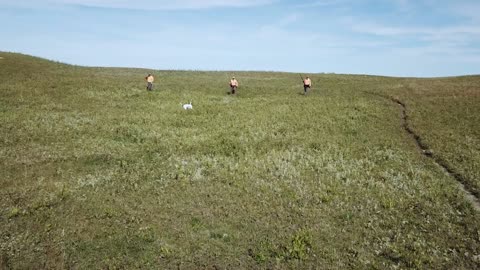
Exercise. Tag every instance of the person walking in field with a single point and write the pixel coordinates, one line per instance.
(233, 85)
(307, 83)
(150, 80)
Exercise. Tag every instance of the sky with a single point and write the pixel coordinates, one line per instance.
(414, 38)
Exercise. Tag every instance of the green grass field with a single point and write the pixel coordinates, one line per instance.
(98, 173)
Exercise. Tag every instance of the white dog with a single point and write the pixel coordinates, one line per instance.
(188, 106)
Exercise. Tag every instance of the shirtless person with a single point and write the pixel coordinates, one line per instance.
(150, 80)
(233, 85)
(307, 83)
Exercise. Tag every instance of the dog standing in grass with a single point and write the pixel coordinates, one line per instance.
(150, 80)
(188, 106)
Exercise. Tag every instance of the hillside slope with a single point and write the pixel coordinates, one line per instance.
(98, 173)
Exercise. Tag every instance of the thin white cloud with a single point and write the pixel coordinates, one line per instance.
(322, 3)
(451, 41)
(404, 6)
(143, 4)
(383, 30)
(468, 10)
(292, 18)
(282, 22)
(465, 9)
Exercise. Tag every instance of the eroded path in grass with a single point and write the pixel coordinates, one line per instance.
(463, 184)
(424, 149)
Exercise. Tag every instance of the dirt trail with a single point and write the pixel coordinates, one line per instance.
(462, 183)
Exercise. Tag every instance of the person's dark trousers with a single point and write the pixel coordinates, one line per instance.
(305, 89)
(234, 89)
(150, 86)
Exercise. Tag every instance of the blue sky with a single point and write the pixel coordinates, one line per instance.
(422, 38)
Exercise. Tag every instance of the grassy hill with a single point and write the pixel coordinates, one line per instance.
(98, 173)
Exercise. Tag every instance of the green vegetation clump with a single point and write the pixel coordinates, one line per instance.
(98, 173)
